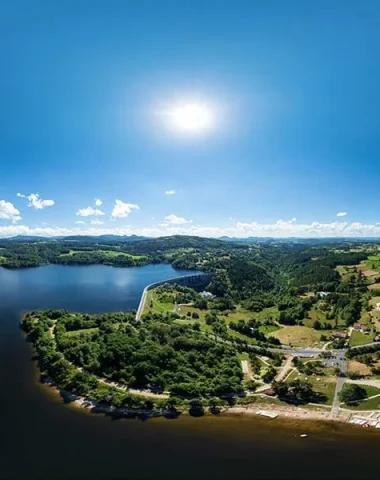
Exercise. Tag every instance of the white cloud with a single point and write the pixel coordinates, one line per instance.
(96, 222)
(175, 220)
(341, 214)
(9, 212)
(121, 209)
(89, 211)
(279, 229)
(80, 222)
(36, 201)
(98, 202)
(170, 192)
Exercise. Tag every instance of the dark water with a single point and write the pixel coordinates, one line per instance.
(42, 438)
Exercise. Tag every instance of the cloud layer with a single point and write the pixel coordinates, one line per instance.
(279, 229)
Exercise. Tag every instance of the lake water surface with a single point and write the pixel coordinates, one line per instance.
(42, 438)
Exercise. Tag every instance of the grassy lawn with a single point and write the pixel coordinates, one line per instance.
(298, 336)
(372, 404)
(359, 338)
(325, 385)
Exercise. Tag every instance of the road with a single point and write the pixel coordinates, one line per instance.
(342, 364)
(371, 383)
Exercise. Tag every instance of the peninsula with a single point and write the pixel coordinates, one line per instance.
(283, 325)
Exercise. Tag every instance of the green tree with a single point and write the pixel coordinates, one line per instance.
(352, 393)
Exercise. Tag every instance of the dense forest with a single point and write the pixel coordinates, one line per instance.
(75, 351)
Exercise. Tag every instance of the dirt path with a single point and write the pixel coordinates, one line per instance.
(285, 370)
(245, 367)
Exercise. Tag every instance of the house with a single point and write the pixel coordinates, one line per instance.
(377, 338)
(378, 306)
(361, 328)
(339, 335)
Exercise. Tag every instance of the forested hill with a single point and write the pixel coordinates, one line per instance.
(239, 268)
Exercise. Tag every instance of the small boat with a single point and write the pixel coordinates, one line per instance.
(304, 435)
(267, 413)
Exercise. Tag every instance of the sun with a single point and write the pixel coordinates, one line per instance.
(191, 117)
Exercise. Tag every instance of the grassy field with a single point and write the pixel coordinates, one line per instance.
(108, 253)
(375, 314)
(358, 367)
(267, 329)
(154, 305)
(372, 404)
(317, 313)
(359, 338)
(73, 333)
(242, 314)
(324, 384)
(373, 263)
(346, 271)
(298, 336)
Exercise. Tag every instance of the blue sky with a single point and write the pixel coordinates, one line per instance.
(293, 88)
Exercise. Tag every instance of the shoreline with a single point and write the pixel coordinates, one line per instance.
(287, 412)
(308, 412)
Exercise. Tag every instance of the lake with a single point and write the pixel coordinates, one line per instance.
(43, 438)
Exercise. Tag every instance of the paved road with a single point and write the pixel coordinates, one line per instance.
(342, 363)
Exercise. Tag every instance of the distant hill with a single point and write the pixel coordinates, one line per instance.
(299, 240)
(79, 238)
(31, 238)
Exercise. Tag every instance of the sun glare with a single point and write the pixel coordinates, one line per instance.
(191, 117)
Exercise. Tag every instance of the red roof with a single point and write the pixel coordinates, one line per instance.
(339, 334)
